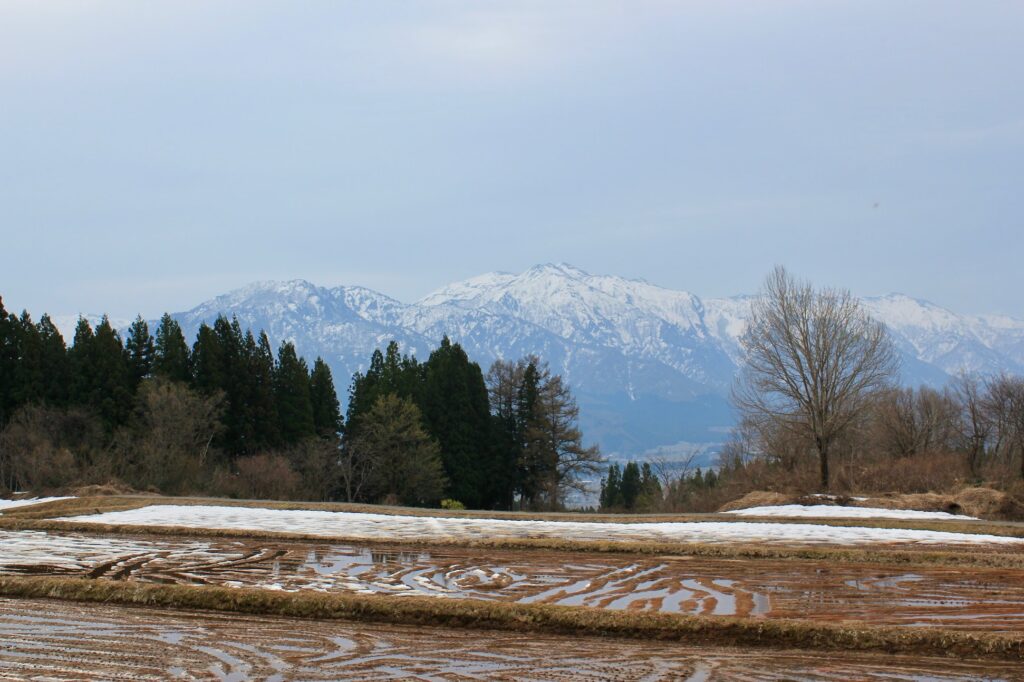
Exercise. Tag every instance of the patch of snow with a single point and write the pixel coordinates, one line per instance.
(824, 496)
(837, 512)
(10, 504)
(34, 548)
(384, 526)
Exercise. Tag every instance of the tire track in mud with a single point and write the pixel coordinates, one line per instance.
(975, 599)
(62, 640)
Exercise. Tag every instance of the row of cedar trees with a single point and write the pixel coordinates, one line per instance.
(633, 487)
(415, 432)
(267, 402)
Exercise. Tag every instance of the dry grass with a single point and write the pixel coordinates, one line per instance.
(984, 503)
(758, 498)
(527, 618)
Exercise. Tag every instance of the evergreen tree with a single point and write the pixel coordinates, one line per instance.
(531, 464)
(501, 476)
(207, 361)
(393, 459)
(54, 358)
(456, 411)
(83, 369)
(41, 374)
(326, 409)
(630, 485)
(554, 455)
(611, 488)
(504, 379)
(389, 374)
(112, 388)
(291, 389)
(210, 377)
(8, 362)
(263, 406)
(650, 489)
(29, 373)
(171, 355)
(237, 383)
(141, 351)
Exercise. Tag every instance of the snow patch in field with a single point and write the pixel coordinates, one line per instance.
(385, 526)
(836, 512)
(76, 552)
(10, 504)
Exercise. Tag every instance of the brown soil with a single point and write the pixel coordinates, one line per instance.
(62, 640)
(983, 599)
(534, 618)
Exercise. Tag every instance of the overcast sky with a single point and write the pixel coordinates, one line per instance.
(155, 154)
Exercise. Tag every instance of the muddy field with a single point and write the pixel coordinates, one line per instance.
(818, 586)
(59, 640)
(988, 599)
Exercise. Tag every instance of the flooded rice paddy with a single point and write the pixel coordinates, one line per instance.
(962, 598)
(61, 640)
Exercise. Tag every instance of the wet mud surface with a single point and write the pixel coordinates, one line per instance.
(987, 599)
(62, 640)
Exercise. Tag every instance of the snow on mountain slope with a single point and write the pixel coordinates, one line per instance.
(941, 338)
(650, 366)
(634, 318)
(66, 324)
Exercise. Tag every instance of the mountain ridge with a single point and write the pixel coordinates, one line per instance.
(651, 366)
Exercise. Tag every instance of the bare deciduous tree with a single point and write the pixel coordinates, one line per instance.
(555, 428)
(44, 447)
(910, 422)
(1003, 407)
(813, 360)
(168, 441)
(975, 424)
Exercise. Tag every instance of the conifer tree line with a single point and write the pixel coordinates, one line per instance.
(90, 409)
(227, 415)
(268, 400)
(631, 488)
(505, 440)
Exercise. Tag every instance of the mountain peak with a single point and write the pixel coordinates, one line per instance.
(557, 269)
(634, 352)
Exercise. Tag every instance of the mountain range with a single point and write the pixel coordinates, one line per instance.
(651, 367)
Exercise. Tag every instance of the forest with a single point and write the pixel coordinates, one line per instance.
(229, 416)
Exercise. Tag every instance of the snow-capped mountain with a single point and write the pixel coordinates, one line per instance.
(949, 342)
(66, 324)
(650, 366)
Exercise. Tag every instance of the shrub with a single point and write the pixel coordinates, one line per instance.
(265, 477)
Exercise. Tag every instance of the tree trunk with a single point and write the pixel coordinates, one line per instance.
(972, 460)
(823, 458)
